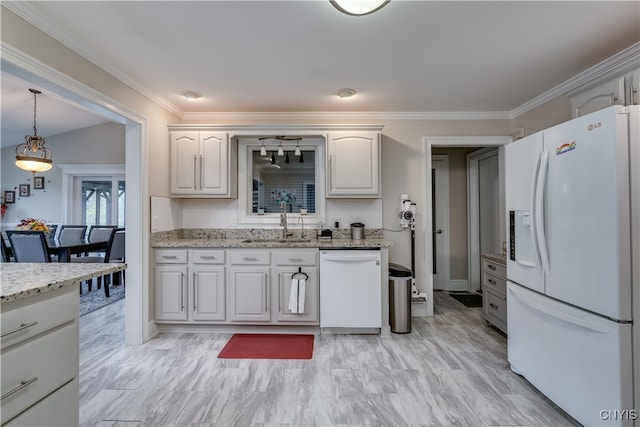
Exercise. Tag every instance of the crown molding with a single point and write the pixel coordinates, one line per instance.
(620, 63)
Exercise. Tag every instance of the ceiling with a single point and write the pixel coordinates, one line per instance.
(292, 56)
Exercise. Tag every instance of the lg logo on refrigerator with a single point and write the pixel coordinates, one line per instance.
(593, 126)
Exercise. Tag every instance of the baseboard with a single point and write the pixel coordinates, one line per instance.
(458, 285)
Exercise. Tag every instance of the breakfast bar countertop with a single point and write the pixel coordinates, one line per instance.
(21, 280)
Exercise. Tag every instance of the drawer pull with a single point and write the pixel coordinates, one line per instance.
(296, 259)
(169, 257)
(23, 385)
(493, 282)
(19, 328)
(492, 305)
(491, 266)
(208, 257)
(252, 259)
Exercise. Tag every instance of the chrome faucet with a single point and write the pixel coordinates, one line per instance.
(283, 219)
(301, 218)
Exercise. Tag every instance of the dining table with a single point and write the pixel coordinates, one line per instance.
(66, 247)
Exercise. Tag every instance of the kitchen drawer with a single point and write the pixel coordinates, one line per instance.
(207, 256)
(56, 410)
(494, 283)
(495, 309)
(25, 322)
(46, 362)
(296, 258)
(171, 256)
(494, 268)
(250, 257)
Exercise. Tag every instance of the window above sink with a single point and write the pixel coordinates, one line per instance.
(275, 169)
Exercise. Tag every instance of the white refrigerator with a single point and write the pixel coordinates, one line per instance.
(572, 200)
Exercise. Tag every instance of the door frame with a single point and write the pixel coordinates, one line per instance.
(28, 68)
(446, 275)
(446, 141)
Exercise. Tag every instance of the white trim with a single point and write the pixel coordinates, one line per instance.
(28, 68)
(451, 141)
(218, 117)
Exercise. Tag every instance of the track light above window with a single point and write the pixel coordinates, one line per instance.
(358, 7)
(33, 156)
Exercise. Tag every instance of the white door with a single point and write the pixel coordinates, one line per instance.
(522, 163)
(582, 362)
(586, 222)
(213, 158)
(440, 221)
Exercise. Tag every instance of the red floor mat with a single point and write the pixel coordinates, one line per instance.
(268, 346)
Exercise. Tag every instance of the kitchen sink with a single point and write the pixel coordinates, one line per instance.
(275, 241)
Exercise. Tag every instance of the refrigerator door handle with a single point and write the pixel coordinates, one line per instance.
(536, 246)
(583, 323)
(539, 212)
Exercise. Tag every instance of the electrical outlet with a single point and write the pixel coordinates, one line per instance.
(334, 222)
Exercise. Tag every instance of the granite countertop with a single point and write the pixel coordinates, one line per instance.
(499, 258)
(264, 238)
(21, 280)
(266, 243)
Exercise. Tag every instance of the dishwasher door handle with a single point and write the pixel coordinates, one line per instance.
(356, 258)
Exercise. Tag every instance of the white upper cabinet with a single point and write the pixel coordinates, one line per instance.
(353, 164)
(620, 90)
(203, 164)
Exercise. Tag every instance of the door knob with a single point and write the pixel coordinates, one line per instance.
(439, 231)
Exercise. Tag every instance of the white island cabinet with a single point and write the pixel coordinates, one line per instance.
(353, 164)
(39, 354)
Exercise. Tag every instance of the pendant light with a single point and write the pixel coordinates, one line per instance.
(297, 152)
(33, 156)
(280, 150)
(263, 149)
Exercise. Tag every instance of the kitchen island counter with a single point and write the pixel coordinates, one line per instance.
(270, 243)
(22, 280)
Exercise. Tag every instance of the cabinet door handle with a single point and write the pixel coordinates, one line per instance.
(208, 257)
(181, 291)
(201, 174)
(279, 297)
(22, 327)
(169, 257)
(266, 292)
(491, 266)
(23, 385)
(250, 259)
(195, 290)
(492, 305)
(296, 259)
(493, 282)
(330, 172)
(195, 171)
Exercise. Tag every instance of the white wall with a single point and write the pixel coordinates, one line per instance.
(100, 144)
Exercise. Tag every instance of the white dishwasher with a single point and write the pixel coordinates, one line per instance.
(350, 289)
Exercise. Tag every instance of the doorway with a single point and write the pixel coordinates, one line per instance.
(440, 221)
(472, 143)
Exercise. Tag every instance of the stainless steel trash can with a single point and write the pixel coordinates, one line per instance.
(399, 298)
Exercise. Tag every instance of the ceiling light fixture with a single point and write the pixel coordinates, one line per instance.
(280, 150)
(33, 156)
(263, 149)
(358, 7)
(191, 95)
(345, 92)
(297, 152)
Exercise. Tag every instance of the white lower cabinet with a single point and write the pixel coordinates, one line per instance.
(234, 286)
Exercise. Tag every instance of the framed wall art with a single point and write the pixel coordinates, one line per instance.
(38, 182)
(10, 196)
(24, 190)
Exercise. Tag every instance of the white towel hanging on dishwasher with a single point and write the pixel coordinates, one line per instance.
(296, 296)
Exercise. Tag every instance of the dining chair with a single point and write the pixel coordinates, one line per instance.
(28, 246)
(52, 230)
(114, 253)
(4, 249)
(72, 232)
(99, 233)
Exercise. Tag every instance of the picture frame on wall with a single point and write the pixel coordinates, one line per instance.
(10, 196)
(24, 190)
(38, 182)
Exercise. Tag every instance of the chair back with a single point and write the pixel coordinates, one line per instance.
(72, 232)
(28, 246)
(53, 228)
(4, 250)
(100, 233)
(115, 250)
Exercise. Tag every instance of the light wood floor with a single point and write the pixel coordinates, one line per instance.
(451, 370)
